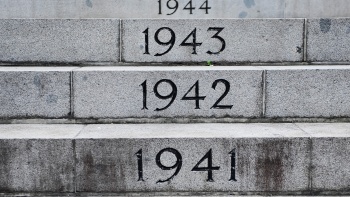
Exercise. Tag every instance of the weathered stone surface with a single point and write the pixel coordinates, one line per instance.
(150, 9)
(328, 40)
(316, 8)
(117, 92)
(30, 92)
(293, 158)
(59, 40)
(330, 156)
(308, 91)
(265, 158)
(234, 40)
(37, 158)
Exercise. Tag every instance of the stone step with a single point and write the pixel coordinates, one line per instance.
(174, 9)
(174, 40)
(175, 94)
(262, 159)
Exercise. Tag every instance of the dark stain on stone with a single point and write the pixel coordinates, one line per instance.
(348, 30)
(29, 146)
(249, 3)
(122, 177)
(243, 15)
(325, 25)
(5, 161)
(88, 168)
(270, 166)
(37, 81)
(51, 99)
(298, 49)
(88, 3)
(40, 84)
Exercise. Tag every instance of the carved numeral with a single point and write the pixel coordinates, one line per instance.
(176, 165)
(173, 93)
(139, 164)
(227, 89)
(196, 96)
(209, 168)
(200, 167)
(186, 42)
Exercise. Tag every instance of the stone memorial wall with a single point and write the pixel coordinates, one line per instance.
(184, 9)
(174, 97)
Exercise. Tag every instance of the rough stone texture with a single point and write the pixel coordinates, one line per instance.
(39, 131)
(316, 8)
(30, 92)
(39, 9)
(269, 161)
(330, 156)
(116, 92)
(149, 9)
(318, 91)
(37, 158)
(59, 40)
(287, 158)
(254, 40)
(328, 40)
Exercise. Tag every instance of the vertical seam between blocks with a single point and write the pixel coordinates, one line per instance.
(74, 165)
(71, 94)
(120, 39)
(310, 164)
(76, 159)
(305, 40)
(310, 168)
(263, 93)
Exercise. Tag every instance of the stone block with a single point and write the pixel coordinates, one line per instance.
(169, 9)
(308, 91)
(316, 8)
(192, 158)
(38, 9)
(330, 156)
(174, 92)
(35, 92)
(224, 40)
(37, 158)
(59, 40)
(328, 40)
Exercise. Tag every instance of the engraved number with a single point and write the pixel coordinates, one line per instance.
(209, 167)
(177, 164)
(227, 89)
(173, 93)
(186, 42)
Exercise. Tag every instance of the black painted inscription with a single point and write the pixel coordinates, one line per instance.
(207, 158)
(177, 164)
(173, 5)
(227, 89)
(196, 96)
(139, 164)
(194, 88)
(189, 41)
(233, 165)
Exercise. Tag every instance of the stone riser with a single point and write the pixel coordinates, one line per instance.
(150, 9)
(276, 158)
(143, 93)
(169, 40)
